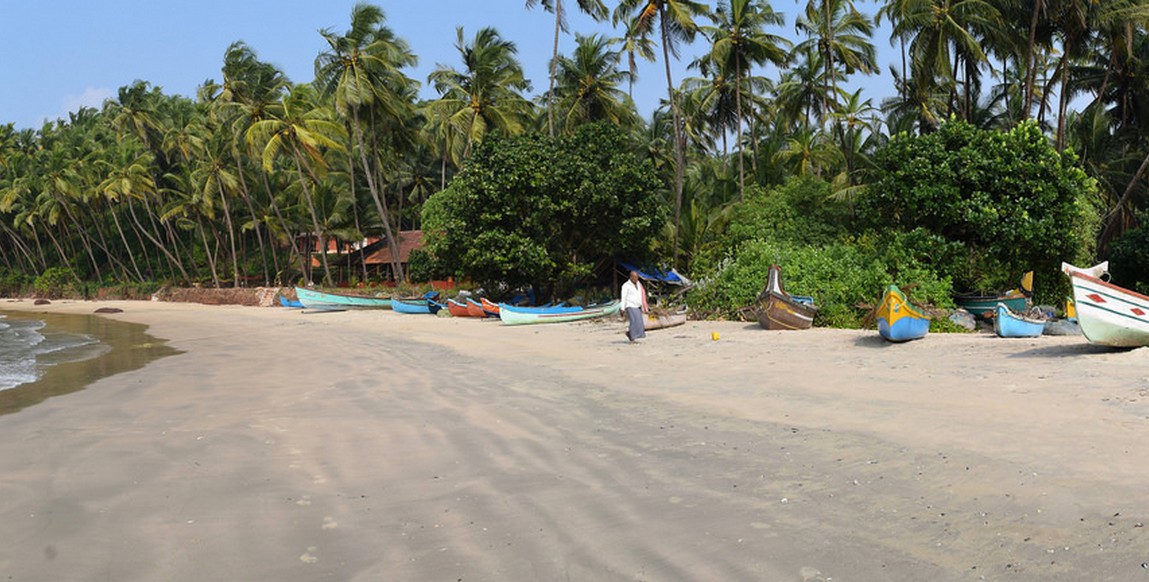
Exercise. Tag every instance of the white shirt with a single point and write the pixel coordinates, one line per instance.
(632, 294)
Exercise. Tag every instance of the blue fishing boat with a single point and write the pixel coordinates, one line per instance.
(312, 299)
(898, 319)
(518, 316)
(292, 303)
(1006, 323)
(416, 304)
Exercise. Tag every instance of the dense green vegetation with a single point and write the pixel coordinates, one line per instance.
(1014, 139)
(533, 210)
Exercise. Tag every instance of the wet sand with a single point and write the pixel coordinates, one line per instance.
(373, 445)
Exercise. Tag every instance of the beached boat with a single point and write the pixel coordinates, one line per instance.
(898, 319)
(983, 306)
(414, 305)
(1066, 325)
(457, 308)
(777, 309)
(292, 303)
(662, 321)
(475, 309)
(489, 306)
(1108, 315)
(1007, 323)
(312, 299)
(523, 316)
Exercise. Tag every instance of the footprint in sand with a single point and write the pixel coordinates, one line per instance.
(303, 501)
(329, 523)
(308, 557)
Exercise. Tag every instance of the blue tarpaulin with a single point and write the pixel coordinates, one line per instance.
(670, 277)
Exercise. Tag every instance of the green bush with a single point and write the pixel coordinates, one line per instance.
(1009, 198)
(55, 282)
(801, 211)
(841, 277)
(1129, 258)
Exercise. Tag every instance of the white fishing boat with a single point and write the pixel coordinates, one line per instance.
(1107, 314)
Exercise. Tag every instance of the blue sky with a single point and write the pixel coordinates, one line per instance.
(57, 56)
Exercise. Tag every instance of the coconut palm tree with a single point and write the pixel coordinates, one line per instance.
(301, 135)
(676, 22)
(588, 83)
(595, 8)
(738, 43)
(635, 46)
(486, 94)
(362, 70)
(839, 34)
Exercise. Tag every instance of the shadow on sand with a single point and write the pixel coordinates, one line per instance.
(1069, 350)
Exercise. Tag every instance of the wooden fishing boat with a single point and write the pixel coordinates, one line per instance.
(1108, 315)
(777, 309)
(414, 305)
(489, 306)
(475, 309)
(664, 320)
(519, 316)
(898, 319)
(312, 299)
(983, 306)
(458, 309)
(1007, 323)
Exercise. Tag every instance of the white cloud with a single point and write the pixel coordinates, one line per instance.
(91, 97)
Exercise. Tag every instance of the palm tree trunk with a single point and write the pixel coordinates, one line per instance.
(738, 106)
(679, 138)
(554, 62)
(127, 248)
(230, 231)
(207, 251)
(1031, 61)
(174, 260)
(314, 215)
(380, 204)
(246, 194)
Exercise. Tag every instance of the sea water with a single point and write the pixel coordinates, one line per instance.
(27, 348)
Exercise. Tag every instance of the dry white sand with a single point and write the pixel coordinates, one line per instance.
(377, 446)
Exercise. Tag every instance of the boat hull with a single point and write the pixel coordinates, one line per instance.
(778, 309)
(1107, 314)
(513, 316)
(983, 307)
(324, 300)
(475, 309)
(652, 321)
(411, 306)
(898, 319)
(1008, 324)
(458, 309)
(776, 312)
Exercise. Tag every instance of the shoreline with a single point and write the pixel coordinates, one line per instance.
(361, 445)
(124, 352)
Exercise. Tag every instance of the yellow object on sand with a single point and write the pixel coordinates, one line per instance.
(714, 335)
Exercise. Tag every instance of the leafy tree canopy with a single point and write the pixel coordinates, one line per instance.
(536, 210)
(1012, 200)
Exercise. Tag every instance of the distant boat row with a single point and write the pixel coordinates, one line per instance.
(1104, 313)
(483, 308)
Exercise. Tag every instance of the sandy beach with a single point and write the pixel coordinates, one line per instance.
(377, 446)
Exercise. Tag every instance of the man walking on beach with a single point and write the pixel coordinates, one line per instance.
(634, 305)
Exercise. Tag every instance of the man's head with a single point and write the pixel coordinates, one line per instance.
(634, 276)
